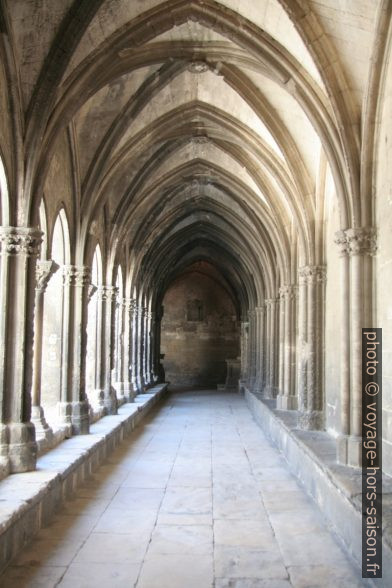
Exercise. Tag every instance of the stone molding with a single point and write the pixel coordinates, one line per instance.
(43, 272)
(20, 241)
(359, 241)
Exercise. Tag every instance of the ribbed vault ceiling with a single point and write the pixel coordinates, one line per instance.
(198, 127)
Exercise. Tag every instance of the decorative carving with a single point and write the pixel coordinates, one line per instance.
(313, 274)
(198, 67)
(69, 272)
(200, 140)
(74, 275)
(107, 293)
(341, 242)
(289, 291)
(43, 272)
(269, 302)
(91, 291)
(359, 241)
(20, 241)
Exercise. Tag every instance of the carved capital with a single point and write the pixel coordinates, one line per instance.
(74, 275)
(359, 241)
(313, 274)
(20, 241)
(341, 242)
(91, 291)
(288, 291)
(107, 293)
(43, 272)
(270, 302)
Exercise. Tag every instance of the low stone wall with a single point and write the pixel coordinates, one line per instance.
(28, 501)
(336, 489)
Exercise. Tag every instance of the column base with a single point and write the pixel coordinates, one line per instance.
(77, 415)
(268, 392)
(312, 420)
(42, 430)
(284, 402)
(119, 388)
(349, 450)
(128, 391)
(22, 447)
(242, 384)
(139, 386)
(110, 401)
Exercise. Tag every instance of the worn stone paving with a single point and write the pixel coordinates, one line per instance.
(196, 498)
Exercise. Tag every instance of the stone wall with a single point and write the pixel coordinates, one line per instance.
(199, 331)
(384, 260)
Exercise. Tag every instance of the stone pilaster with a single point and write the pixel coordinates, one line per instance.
(44, 271)
(286, 399)
(74, 406)
(357, 247)
(312, 289)
(19, 249)
(244, 352)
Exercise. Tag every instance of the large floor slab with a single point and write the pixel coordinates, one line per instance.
(195, 497)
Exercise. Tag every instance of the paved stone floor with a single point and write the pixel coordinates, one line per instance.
(197, 498)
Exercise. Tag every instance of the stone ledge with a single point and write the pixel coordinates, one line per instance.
(29, 500)
(336, 489)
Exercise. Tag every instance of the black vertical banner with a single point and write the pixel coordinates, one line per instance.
(371, 453)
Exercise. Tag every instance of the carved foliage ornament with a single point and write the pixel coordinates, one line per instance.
(43, 271)
(313, 274)
(74, 275)
(107, 293)
(361, 241)
(20, 241)
(288, 291)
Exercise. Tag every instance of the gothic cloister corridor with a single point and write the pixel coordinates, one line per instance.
(196, 498)
(196, 195)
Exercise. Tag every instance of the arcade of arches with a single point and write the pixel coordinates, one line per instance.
(187, 187)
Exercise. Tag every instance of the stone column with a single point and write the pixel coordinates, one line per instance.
(260, 313)
(271, 345)
(129, 307)
(19, 249)
(118, 350)
(311, 408)
(137, 338)
(44, 271)
(147, 348)
(107, 300)
(151, 361)
(357, 248)
(244, 356)
(74, 406)
(252, 350)
(142, 342)
(286, 399)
